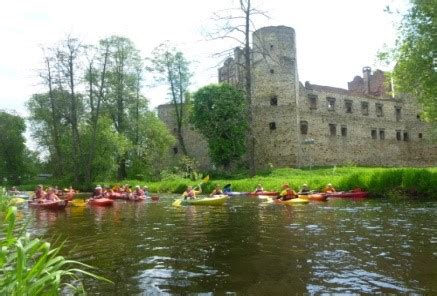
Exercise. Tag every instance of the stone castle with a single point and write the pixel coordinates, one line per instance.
(301, 125)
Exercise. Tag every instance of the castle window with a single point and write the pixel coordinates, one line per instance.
(406, 138)
(274, 101)
(420, 135)
(348, 106)
(398, 135)
(272, 71)
(418, 116)
(373, 134)
(331, 103)
(332, 130)
(343, 131)
(175, 150)
(365, 108)
(313, 101)
(271, 46)
(379, 110)
(272, 126)
(381, 134)
(304, 127)
(398, 113)
(175, 129)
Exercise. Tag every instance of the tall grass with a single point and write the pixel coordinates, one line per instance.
(417, 182)
(33, 267)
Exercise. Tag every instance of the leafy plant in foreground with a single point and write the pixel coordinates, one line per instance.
(32, 267)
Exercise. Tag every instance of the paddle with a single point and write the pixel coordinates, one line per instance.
(178, 202)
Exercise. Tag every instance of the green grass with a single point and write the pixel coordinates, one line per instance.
(379, 182)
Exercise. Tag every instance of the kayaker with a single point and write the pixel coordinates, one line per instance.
(191, 193)
(146, 190)
(138, 192)
(217, 190)
(259, 188)
(98, 192)
(14, 191)
(329, 189)
(227, 188)
(304, 190)
(287, 193)
(39, 193)
(51, 195)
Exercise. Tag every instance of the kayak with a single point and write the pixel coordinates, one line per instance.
(348, 194)
(102, 202)
(314, 197)
(216, 200)
(118, 195)
(17, 200)
(269, 193)
(49, 205)
(294, 201)
(234, 193)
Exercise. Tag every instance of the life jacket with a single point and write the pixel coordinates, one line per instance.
(289, 194)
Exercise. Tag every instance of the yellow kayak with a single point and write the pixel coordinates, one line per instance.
(295, 201)
(17, 200)
(216, 200)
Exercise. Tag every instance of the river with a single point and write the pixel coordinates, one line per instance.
(247, 247)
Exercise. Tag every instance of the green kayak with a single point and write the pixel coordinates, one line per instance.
(216, 200)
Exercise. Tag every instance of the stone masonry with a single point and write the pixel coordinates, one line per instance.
(301, 125)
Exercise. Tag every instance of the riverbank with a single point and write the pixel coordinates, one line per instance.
(380, 182)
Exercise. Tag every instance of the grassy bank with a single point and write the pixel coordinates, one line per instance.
(380, 182)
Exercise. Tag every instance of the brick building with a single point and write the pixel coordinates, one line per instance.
(300, 125)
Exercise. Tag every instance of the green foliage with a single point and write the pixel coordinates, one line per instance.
(219, 113)
(33, 267)
(415, 71)
(16, 162)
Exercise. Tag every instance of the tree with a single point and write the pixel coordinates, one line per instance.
(238, 24)
(219, 113)
(12, 148)
(172, 68)
(415, 53)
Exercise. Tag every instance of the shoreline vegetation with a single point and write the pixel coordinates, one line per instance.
(32, 266)
(379, 182)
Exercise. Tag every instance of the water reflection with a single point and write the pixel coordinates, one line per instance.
(250, 248)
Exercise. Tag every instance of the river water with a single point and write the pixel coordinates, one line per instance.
(248, 247)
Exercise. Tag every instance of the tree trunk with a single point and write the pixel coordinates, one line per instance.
(248, 89)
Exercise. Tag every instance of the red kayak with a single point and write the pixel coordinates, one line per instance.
(137, 198)
(49, 205)
(269, 193)
(349, 194)
(101, 202)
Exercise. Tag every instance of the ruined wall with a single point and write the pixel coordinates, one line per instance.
(275, 87)
(196, 145)
(351, 133)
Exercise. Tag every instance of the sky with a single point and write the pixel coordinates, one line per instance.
(335, 39)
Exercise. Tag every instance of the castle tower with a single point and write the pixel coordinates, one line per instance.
(275, 92)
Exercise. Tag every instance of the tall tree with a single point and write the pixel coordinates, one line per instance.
(219, 114)
(68, 55)
(237, 24)
(12, 148)
(121, 89)
(173, 69)
(415, 55)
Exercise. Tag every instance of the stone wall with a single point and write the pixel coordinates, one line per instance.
(195, 144)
